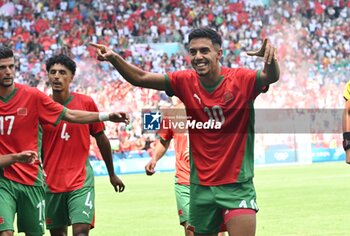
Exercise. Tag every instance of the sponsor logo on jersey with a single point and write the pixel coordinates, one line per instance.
(198, 98)
(86, 213)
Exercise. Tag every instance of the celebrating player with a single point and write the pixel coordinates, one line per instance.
(22, 110)
(182, 169)
(222, 160)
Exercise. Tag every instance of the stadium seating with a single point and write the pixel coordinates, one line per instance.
(312, 38)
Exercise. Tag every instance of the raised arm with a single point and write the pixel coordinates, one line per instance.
(86, 117)
(271, 72)
(159, 151)
(131, 73)
(106, 152)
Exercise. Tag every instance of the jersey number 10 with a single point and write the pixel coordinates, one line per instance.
(215, 113)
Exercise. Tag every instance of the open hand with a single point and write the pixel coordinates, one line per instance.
(119, 117)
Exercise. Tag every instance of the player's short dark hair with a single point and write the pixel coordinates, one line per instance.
(63, 60)
(206, 32)
(5, 52)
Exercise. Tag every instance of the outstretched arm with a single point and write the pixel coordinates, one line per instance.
(271, 72)
(159, 151)
(131, 73)
(106, 152)
(87, 117)
(22, 157)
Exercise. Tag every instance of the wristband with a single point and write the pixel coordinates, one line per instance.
(346, 135)
(103, 116)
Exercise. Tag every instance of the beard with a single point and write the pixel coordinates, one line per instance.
(6, 82)
(202, 73)
(57, 90)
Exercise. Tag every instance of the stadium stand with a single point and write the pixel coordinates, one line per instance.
(313, 40)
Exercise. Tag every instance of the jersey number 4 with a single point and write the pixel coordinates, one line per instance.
(3, 119)
(64, 134)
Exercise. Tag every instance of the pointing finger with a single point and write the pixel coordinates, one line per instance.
(96, 45)
(271, 55)
(260, 51)
(264, 43)
(251, 53)
(266, 53)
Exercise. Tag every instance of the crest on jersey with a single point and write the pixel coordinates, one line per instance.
(22, 111)
(227, 96)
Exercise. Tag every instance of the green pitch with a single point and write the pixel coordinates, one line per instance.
(310, 200)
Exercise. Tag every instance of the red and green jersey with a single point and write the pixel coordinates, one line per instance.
(182, 170)
(225, 155)
(66, 149)
(20, 115)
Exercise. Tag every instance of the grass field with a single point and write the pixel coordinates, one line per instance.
(310, 200)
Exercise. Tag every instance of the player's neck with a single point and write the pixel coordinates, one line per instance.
(211, 78)
(6, 91)
(61, 96)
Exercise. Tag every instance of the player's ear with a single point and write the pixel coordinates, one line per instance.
(220, 52)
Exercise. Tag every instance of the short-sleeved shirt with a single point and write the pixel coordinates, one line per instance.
(20, 115)
(225, 155)
(66, 148)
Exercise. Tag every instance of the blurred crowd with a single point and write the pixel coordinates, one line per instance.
(312, 37)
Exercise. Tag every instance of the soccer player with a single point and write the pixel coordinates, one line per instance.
(70, 178)
(22, 157)
(22, 110)
(182, 163)
(222, 156)
(182, 174)
(346, 123)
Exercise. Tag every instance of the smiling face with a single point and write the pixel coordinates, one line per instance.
(60, 77)
(205, 57)
(7, 72)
